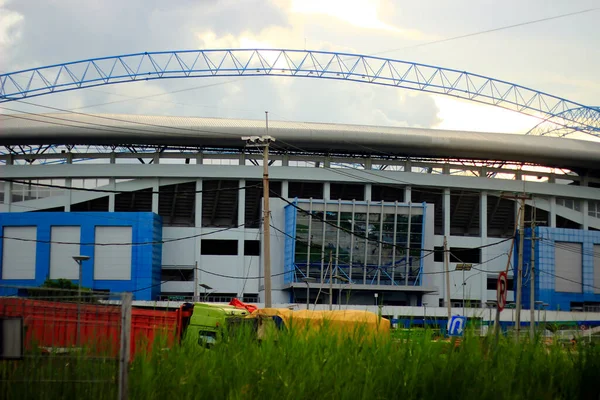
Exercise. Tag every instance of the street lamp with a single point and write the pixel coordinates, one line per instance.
(308, 280)
(512, 307)
(206, 288)
(79, 260)
(490, 305)
(343, 279)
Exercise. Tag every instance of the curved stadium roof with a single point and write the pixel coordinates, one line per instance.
(119, 129)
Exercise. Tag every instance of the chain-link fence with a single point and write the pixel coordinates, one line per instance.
(63, 344)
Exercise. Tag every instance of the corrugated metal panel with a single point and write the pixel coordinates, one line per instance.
(113, 262)
(400, 141)
(62, 264)
(568, 267)
(18, 256)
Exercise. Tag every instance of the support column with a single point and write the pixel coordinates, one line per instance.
(326, 191)
(69, 184)
(285, 160)
(552, 213)
(155, 187)
(369, 164)
(284, 189)
(199, 158)
(483, 222)
(446, 212)
(407, 194)
(7, 196)
(8, 186)
(368, 188)
(156, 158)
(198, 205)
(198, 231)
(112, 184)
(585, 206)
(241, 204)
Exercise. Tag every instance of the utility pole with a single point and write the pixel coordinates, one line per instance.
(520, 265)
(532, 282)
(267, 217)
(447, 267)
(330, 267)
(521, 199)
(263, 141)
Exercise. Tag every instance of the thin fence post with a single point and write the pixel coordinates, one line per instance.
(125, 345)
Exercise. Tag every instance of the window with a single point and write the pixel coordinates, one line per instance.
(459, 255)
(212, 247)
(305, 190)
(346, 191)
(177, 274)
(252, 247)
(492, 282)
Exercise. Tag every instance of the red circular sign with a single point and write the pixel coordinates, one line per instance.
(501, 289)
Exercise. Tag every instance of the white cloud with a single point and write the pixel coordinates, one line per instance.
(469, 116)
(365, 14)
(10, 22)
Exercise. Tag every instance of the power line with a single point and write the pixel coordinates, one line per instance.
(126, 244)
(132, 122)
(489, 30)
(126, 191)
(313, 214)
(566, 279)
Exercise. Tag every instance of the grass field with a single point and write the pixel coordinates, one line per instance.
(320, 367)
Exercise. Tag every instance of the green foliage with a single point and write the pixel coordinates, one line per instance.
(60, 290)
(59, 284)
(323, 366)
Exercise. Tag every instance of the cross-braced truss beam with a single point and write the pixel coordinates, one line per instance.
(74, 75)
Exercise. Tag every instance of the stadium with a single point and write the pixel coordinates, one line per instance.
(171, 208)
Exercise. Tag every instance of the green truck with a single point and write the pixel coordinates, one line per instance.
(208, 322)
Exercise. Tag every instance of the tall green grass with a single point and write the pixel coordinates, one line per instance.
(323, 366)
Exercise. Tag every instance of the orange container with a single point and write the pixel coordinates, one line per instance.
(52, 326)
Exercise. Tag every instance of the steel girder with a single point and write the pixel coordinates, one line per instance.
(589, 116)
(92, 72)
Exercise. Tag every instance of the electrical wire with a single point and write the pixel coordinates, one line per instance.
(501, 28)
(63, 187)
(126, 244)
(313, 214)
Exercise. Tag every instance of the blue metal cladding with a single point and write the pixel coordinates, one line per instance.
(290, 243)
(546, 277)
(20, 85)
(145, 258)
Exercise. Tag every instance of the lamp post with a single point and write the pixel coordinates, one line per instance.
(206, 288)
(512, 307)
(490, 305)
(424, 315)
(308, 280)
(79, 260)
(343, 279)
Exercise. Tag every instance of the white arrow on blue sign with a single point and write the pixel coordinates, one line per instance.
(456, 325)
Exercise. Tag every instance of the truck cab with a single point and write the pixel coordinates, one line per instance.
(207, 322)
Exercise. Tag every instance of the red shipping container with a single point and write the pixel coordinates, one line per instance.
(52, 325)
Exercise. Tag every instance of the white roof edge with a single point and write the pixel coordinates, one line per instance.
(114, 129)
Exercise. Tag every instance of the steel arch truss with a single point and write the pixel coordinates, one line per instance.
(300, 63)
(589, 116)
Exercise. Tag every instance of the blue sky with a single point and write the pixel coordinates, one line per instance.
(560, 56)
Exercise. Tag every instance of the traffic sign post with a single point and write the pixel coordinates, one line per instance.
(456, 325)
(501, 289)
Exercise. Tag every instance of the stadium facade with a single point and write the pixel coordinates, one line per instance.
(171, 207)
